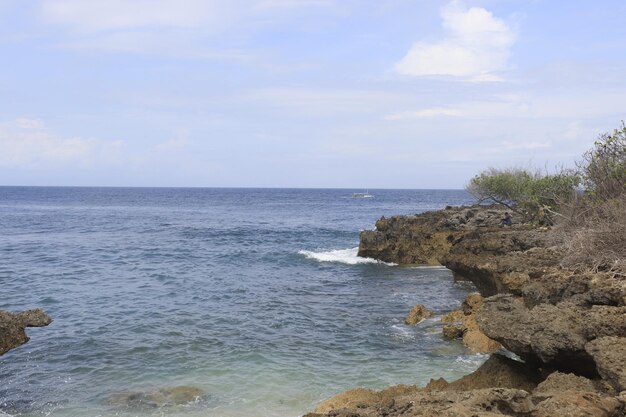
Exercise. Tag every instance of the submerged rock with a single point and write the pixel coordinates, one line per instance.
(164, 397)
(13, 325)
(417, 314)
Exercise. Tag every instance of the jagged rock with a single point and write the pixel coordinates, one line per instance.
(558, 382)
(359, 398)
(422, 403)
(498, 372)
(417, 314)
(424, 238)
(453, 331)
(609, 354)
(12, 327)
(164, 397)
(462, 324)
(575, 404)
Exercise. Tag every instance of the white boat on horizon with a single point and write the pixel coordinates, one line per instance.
(362, 195)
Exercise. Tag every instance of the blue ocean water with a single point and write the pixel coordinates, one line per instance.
(255, 296)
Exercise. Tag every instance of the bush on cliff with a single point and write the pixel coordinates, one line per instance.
(537, 197)
(595, 229)
(603, 167)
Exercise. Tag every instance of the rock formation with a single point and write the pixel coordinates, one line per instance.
(568, 327)
(462, 324)
(417, 314)
(13, 325)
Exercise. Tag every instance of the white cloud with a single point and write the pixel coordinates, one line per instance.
(176, 28)
(102, 15)
(477, 44)
(27, 143)
(425, 114)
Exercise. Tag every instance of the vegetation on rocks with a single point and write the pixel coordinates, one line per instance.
(595, 228)
(532, 194)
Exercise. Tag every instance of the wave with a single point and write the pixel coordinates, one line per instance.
(344, 256)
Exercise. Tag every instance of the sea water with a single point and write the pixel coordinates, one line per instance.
(254, 296)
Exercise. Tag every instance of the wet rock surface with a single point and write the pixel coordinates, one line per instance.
(13, 327)
(417, 314)
(568, 327)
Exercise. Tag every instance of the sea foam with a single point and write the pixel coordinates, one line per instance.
(344, 256)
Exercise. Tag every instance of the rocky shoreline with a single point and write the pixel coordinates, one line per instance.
(567, 330)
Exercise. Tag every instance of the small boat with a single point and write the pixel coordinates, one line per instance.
(362, 195)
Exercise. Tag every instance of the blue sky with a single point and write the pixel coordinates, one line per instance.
(302, 93)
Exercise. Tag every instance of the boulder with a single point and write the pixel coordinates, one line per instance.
(417, 314)
(498, 372)
(609, 355)
(13, 325)
(573, 403)
(462, 324)
(558, 382)
(360, 398)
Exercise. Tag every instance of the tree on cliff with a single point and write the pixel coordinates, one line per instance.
(603, 167)
(535, 196)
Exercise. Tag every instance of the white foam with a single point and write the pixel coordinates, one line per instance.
(344, 256)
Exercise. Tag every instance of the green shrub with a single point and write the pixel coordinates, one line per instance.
(537, 197)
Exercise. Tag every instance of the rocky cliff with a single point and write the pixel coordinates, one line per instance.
(568, 328)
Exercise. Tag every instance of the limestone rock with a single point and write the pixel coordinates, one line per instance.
(12, 327)
(609, 354)
(498, 372)
(359, 398)
(572, 403)
(422, 403)
(453, 331)
(553, 335)
(462, 324)
(417, 314)
(558, 382)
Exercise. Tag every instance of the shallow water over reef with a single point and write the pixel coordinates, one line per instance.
(253, 297)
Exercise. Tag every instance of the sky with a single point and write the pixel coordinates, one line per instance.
(303, 93)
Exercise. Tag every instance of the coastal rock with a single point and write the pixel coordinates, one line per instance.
(462, 324)
(558, 382)
(417, 314)
(566, 324)
(422, 403)
(13, 325)
(550, 335)
(497, 372)
(164, 397)
(360, 398)
(452, 331)
(583, 404)
(609, 354)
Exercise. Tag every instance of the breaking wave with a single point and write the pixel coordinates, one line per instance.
(344, 256)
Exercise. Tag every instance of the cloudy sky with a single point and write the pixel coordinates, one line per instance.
(303, 93)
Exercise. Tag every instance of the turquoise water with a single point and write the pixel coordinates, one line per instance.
(254, 296)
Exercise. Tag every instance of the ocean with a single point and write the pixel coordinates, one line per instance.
(254, 296)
